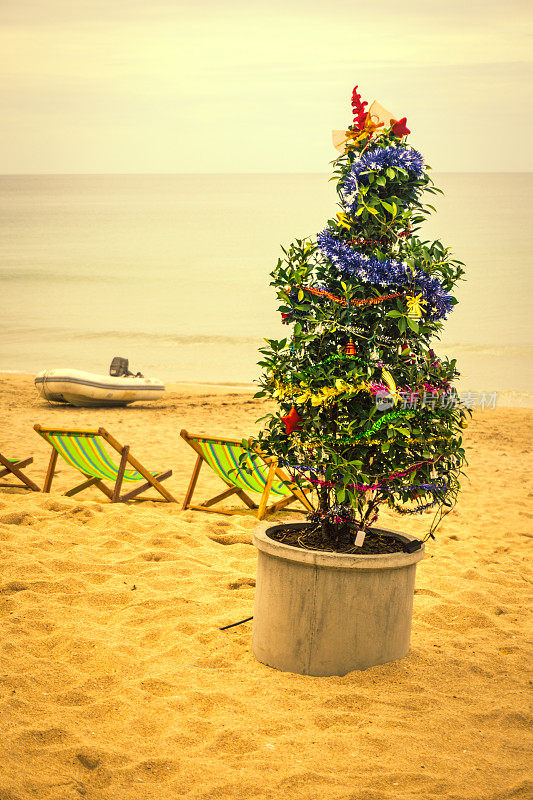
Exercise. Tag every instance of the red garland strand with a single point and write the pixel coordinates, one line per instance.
(366, 302)
(362, 487)
(380, 242)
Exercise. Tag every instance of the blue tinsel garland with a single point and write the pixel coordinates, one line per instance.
(384, 273)
(406, 158)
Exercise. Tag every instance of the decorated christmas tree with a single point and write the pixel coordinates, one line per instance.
(367, 416)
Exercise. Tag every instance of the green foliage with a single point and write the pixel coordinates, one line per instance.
(345, 441)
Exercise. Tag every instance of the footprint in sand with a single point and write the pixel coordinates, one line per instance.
(231, 538)
(156, 769)
(88, 758)
(16, 518)
(240, 582)
(44, 737)
(74, 698)
(165, 556)
(158, 687)
(13, 586)
(55, 505)
(233, 743)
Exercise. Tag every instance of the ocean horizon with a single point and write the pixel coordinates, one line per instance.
(172, 272)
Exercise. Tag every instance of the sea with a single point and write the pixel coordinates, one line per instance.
(172, 272)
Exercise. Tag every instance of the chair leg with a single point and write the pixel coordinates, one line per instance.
(155, 482)
(300, 494)
(81, 487)
(220, 497)
(214, 510)
(297, 494)
(266, 491)
(16, 470)
(192, 482)
(120, 474)
(103, 488)
(280, 504)
(246, 500)
(140, 489)
(50, 472)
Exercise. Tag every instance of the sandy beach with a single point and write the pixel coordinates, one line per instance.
(116, 682)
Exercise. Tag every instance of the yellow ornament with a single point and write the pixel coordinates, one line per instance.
(389, 380)
(414, 306)
(343, 220)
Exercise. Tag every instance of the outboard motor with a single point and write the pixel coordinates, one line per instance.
(119, 369)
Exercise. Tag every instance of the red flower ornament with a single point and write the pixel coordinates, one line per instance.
(399, 127)
(292, 421)
(359, 111)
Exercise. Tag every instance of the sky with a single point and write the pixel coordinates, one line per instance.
(165, 86)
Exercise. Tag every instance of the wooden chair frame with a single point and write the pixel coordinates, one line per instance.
(15, 468)
(125, 458)
(296, 493)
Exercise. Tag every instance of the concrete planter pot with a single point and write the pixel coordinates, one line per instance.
(321, 613)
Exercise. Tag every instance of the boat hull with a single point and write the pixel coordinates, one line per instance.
(85, 389)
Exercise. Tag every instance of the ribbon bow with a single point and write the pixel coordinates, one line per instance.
(367, 129)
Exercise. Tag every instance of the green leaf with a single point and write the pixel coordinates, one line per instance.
(412, 324)
(300, 295)
(341, 494)
(402, 325)
(390, 173)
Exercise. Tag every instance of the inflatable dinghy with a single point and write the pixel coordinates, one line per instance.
(79, 388)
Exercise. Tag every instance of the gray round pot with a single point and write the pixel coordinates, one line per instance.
(321, 613)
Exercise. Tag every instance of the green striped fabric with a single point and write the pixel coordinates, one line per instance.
(86, 453)
(223, 458)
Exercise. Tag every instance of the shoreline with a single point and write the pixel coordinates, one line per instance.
(223, 384)
(512, 399)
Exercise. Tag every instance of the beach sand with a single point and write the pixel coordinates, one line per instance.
(116, 682)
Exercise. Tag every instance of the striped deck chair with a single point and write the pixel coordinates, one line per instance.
(14, 466)
(85, 451)
(262, 476)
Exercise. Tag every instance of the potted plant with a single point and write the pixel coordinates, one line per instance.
(367, 417)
